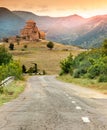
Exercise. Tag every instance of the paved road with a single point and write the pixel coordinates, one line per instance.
(48, 104)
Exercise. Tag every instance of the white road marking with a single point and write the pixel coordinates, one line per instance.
(73, 102)
(78, 108)
(86, 119)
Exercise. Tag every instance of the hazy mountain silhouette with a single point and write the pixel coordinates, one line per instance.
(10, 23)
(74, 29)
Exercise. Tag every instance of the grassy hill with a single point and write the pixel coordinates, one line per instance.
(37, 52)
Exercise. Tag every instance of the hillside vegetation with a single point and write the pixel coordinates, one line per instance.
(29, 53)
(87, 66)
(8, 66)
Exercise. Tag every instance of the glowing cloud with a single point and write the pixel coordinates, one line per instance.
(58, 8)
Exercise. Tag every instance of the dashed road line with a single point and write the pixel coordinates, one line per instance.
(78, 108)
(73, 102)
(86, 120)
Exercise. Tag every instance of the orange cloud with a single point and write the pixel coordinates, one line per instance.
(58, 8)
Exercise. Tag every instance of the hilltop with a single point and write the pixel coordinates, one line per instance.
(72, 30)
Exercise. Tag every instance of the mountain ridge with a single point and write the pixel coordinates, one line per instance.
(72, 29)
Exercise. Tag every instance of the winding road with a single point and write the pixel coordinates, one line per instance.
(49, 104)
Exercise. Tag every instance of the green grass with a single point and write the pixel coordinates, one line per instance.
(11, 91)
(46, 59)
(37, 52)
(84, 82)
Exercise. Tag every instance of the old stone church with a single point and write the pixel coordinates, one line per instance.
(31, 32)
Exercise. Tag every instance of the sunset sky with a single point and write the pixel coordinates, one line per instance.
(85, 8)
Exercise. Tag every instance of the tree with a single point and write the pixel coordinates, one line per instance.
(50, 45)
(35, 68)
(67, 65)
(11, 46)
(23, 68)
(5, 57)
(104, 47)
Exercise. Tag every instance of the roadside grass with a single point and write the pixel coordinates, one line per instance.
(35, 52)
(49, 60)
(11, 91)
(84, 82)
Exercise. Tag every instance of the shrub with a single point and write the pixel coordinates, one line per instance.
(35, 68)
(61, 73)
(71, 71)
(22, 49)
(104, 47)
(30, 70)
(102, 78)
(11, 46)
(14, 69)
(76, 74)
(50, 45)
(25, 46)
(90, 64)
(11, 69)
(67, 64)
(94, 71)
(23, 68)
(5, 56)
(44, 72)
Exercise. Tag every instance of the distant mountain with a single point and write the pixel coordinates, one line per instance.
(95, 31)
(10, 23)
(72, 30)
(47, 22)
(43, 22)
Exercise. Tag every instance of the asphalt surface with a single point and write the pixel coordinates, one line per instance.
(48, 104)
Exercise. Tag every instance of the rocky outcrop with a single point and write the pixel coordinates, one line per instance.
(31, 32)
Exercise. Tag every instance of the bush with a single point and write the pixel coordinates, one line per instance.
(50, 45)
(61, 73)
(23, 68)
(90, 64)
(25, 46)
(44, 72)
(104, 47)
(14, 69)
(94, 71)
(22, 49)
(11, 69)
(30, 70)
(71, 71)
(102, 78)
(76, 74)
(5, 56)
(67, 64)
(11, 46)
